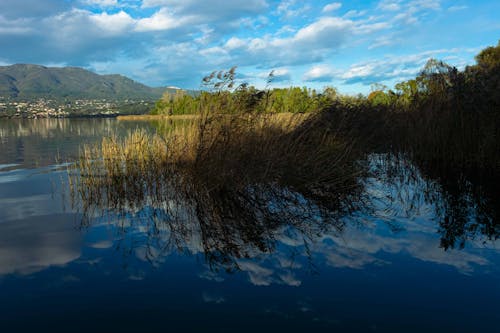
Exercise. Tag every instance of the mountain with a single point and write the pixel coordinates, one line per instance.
(25, 82)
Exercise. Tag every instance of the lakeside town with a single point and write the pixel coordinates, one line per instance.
(51, 108)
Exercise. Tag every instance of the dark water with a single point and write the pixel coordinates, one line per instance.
(402, 266)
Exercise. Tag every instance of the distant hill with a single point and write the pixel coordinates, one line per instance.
(24, 82)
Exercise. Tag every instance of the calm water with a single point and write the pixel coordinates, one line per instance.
(399, 266)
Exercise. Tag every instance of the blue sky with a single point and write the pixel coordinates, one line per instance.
(345, 44)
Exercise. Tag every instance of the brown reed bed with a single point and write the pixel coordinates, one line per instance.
(236, 178)
(221, 156)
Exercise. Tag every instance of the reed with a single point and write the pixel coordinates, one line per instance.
(237, 177)
(237, 163)
(218, 153)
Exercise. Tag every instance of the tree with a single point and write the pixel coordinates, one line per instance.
(489, 57)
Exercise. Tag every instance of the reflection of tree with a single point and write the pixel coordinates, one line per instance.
(464, 209)
(467, 209)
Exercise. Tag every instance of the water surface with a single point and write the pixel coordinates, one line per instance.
(389, 268)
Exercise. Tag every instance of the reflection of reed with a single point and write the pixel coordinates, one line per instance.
(233, 180)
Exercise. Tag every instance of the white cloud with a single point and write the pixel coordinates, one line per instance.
(102, 3)
(406, 18)
(279, 75)
(291, 8)
(21, 26)
(161, 20)
(113, 23)
(220, 17)
(413, 6)
(389, 5)
(211, 8)
(32, 8)
(410, 12)
(321, 73)
(354, 14)
(154, 3)
(457, 8)
(324, 30)
(385, 40)
(332, 7)
(425, 4)
(15, 30)
(311, 43)
(397, 67)
(369, 28)
(178, 41)
(234, 43)
(388, 68)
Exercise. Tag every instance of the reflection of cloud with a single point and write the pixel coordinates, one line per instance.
(258, 275)
(90, 262)
(70, 278)
(350, 258)
(304, 306)
(137, 277)
(105, 244)
(28, 246)
(273, 273)
(24, 194)
(285, 262)
(7, 166)
(149, 253)
(427, 249)
(27, 206)
(211, 276)
(210, 298)
(290, 280)
(359, 247)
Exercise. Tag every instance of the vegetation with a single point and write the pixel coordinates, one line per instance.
(442, 116)
(223, 155)
(293, 154)
(243, 98)
(238, 178)
(448, 116)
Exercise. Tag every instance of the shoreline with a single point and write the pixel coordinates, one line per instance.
(147, 117)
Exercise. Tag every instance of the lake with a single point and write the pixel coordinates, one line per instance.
(414, 259)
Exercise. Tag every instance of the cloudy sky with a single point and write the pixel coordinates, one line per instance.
(346, 44)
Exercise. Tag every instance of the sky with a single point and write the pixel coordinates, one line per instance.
(345, 44)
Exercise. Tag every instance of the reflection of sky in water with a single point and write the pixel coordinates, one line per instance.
(34, 220)
(378, 274)
(35, 233)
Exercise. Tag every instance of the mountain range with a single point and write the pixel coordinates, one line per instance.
(26, 81)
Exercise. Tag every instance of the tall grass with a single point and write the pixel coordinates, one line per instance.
(240, 163)
(220, 154)
(237, 177)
